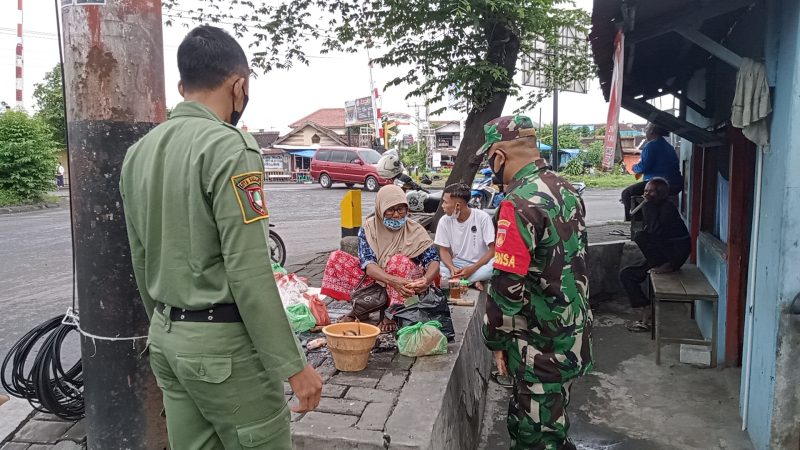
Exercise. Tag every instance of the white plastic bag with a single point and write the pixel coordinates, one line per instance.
(291, 288)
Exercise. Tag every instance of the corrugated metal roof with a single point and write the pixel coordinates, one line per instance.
(657, 59)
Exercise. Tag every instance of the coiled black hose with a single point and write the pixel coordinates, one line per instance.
(47, 387)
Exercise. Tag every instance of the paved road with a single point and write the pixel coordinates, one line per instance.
(36, 275)
(307, 217)
(602, 206)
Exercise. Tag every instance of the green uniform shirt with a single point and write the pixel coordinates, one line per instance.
(537, 309)
(198, 227)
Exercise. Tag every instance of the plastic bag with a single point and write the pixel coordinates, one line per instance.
(276, 268)
(301, 318)
(422, 339)
(432, 306)
(318, 309)
(291, 288)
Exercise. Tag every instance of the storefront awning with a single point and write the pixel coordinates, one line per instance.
(302, 153)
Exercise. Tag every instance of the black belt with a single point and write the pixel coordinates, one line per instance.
(223, 313)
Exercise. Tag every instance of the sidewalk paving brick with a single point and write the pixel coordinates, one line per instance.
(321, 421)
(41, 431)
(333, 390)
(381, 361)
(341, 406)
(374, 416)
(392, 380)
(48, 417)
(14, 446)
(401, 362)
(77, 433)
(63, 445)
(326, 370)
(367, 378)
(370, 395)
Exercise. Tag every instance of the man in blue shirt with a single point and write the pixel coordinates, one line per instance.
(658, 160)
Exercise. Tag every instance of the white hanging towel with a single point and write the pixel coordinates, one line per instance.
(751, 104)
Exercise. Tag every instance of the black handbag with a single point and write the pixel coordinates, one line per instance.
(432, 305)
(367, 300)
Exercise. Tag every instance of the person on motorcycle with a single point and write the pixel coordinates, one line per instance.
(465, 237)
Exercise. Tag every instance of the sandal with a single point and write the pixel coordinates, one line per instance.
(638, 326)
(387, 326)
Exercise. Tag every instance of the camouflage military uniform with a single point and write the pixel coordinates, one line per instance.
(537, 310)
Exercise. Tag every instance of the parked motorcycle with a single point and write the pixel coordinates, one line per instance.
(277, 249)
(484, 194)
(420, 200)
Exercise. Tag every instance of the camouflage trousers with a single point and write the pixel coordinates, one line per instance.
(537, 416)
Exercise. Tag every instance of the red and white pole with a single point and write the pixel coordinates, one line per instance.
(20, 103)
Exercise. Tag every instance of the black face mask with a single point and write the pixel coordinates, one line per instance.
(236, 115)
(498, 174)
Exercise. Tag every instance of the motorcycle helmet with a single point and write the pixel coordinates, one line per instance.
(389, 165)
(416, 200)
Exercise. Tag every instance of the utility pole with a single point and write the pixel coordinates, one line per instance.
(19, 59)
(554, 151)
(114, 94)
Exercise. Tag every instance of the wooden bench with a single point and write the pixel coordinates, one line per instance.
(683, 286)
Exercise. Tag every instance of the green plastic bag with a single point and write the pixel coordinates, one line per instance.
(422, 339)
(300, 317)
(276, 268)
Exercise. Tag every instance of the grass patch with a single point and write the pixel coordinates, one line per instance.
(10, 199)
(602, 180)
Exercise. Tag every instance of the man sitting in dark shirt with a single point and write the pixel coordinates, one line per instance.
(664, 242)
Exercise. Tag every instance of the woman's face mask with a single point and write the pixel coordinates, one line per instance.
(394, 224)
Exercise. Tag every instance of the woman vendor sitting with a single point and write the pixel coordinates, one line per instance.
(393, 250)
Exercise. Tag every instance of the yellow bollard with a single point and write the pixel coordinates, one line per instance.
(351, 213)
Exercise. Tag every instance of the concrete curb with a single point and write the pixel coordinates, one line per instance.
(449, 416)
(28, 208)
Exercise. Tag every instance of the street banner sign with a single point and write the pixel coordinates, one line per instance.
(614, 100)
(359, 112)
(571, 43)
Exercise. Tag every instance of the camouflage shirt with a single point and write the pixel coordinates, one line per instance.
(537, 309)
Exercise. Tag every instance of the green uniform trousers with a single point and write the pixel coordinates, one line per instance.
(537, 416)
(217, 394)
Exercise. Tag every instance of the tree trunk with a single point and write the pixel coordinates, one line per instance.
(503, 51)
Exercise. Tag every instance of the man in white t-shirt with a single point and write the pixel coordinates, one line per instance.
(465, 238)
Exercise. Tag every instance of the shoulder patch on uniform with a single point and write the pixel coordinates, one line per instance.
(510, 254)
(248, 188)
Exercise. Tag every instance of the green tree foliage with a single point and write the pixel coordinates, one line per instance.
(415, 155)
(569, 136)
(49, 96)
(27, 158)
(464, 50)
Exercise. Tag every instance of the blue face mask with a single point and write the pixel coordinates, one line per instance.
(394, 224)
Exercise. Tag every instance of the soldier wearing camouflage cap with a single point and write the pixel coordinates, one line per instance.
(537, 320)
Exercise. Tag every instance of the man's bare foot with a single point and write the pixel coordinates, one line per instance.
(478, 285)
(664, 268)
(387, 326)
(4, 398)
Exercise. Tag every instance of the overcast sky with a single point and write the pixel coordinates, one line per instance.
(276, 99)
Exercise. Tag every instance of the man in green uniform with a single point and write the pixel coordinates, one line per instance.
(537, 319)
(220, 342)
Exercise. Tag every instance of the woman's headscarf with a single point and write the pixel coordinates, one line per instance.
(411, 240)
